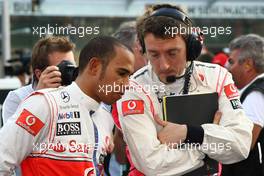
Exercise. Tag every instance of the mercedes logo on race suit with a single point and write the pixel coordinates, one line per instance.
(65, 96)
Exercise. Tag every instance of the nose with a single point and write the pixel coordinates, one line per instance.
(164, 63)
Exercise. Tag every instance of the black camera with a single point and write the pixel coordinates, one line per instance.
(69, 72)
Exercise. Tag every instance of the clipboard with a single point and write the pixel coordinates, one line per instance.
(195, 109)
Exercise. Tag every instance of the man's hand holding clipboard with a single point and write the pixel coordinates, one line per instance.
(176, 133)
(202, 107)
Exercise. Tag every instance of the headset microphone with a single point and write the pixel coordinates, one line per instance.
(171, 79)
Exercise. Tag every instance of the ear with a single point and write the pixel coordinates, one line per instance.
(94, 66)
(139, 47)
(37, 73)
(248, 65)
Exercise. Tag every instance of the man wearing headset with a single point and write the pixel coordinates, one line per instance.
(172, 70)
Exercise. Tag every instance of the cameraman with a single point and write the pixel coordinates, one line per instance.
(46, 54)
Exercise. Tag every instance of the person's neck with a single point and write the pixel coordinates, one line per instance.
(88, 89)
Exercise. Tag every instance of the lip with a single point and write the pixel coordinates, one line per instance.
(118, 96)
(167, 73)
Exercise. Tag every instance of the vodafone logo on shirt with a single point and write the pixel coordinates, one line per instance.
(29, 122)
(132, 107)
(231, 91)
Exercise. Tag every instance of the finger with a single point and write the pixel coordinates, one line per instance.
(160, 138)
(44, 83)
(217, 117)
(55, 85)
(159, 121)
(53, 74)
(111, 147)
(50, 69)
(52, 85)
(54, 80)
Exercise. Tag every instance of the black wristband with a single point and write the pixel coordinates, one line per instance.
(195, 134)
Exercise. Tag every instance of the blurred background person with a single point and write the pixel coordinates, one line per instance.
(206, 55)
(46, 54)
(127, 34)
(246, 63)
(220, 59)
(19, 66)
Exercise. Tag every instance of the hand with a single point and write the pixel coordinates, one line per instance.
(171, 133)
(109, 144)
(217, 117)
(49, 78)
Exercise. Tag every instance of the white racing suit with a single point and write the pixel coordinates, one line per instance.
(53, 133)
(228, 142)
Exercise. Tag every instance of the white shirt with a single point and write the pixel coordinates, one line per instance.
(253, 104)
(13, 99)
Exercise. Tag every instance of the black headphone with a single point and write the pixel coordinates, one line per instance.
(194, 41)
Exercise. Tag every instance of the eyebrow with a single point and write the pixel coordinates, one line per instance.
(169, 50)
(173, 49)
(124, 70)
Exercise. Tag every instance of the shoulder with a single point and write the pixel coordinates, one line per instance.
(55, 92)
(23, 92)
(254, 97)
(141, 72)
(208, 67)
(212, 75)
(20, 93)
(141, 75)
(252, 105)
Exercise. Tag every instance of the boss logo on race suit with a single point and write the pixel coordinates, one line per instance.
(69, 115)
(236, 104)
(68, 128)
(231, 91)
(133, 107)
(65, 96)
(29, 122)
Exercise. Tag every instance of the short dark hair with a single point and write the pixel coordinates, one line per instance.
(157, 24)
(102, 47)
(46, 46)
